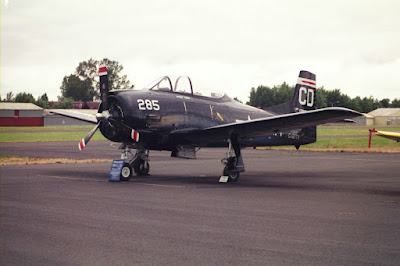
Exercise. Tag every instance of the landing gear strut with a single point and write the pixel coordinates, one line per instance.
(234, 165)
(138, 163)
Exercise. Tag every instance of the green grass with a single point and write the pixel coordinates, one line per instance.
(339, 136)
(51, 128)
(40, 134)
(349, 144)
(352, 143)
(351, 130)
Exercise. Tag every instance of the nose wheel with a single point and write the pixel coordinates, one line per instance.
(126, 172)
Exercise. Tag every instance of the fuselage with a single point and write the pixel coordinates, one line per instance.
(157, 113)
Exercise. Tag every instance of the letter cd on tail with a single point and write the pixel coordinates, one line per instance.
(305, 92)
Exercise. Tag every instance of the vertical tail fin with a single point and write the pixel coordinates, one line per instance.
(304, 96)
(305, 92)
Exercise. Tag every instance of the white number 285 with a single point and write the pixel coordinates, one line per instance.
(148, 104)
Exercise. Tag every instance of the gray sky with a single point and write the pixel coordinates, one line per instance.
(223, 45)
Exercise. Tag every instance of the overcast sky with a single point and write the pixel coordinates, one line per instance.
(228, 46)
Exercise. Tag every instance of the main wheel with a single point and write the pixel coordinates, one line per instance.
(232, 176)
(142, 168)
(126, 172)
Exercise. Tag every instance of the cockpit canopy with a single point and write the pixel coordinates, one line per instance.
(183, 84)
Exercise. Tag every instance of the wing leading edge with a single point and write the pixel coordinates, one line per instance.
(389, 135)
(91, 118)
(269, 125)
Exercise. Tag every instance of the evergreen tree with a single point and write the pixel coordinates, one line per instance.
(43, 101)
(24, 97)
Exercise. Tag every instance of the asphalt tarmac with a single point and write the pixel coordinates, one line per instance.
(289, 207)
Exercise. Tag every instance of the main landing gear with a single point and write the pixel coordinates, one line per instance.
(138, 163)
(234, 165)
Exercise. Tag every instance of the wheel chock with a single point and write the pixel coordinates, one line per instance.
(223, 179)
(115, 171)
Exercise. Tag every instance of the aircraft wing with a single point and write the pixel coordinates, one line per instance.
(389, 135)
(91, 118)
(269, 125)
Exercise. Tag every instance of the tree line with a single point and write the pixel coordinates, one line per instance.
(264, 96)
(83, 85)
(23, 97)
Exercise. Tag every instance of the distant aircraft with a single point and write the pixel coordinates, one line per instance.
(176, 119)
(386, 134)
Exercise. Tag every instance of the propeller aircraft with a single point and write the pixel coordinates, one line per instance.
(177, 119)
(385, 134)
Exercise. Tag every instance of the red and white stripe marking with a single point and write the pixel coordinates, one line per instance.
(135, 135)
(81, 144)
(102, 70)
(307, 82)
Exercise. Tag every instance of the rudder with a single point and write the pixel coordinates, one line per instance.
(304, 96)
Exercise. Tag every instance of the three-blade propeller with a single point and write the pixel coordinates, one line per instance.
(105, 114)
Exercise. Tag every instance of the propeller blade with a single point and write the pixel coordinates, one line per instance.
(105, 115)
(86, 139)
(104, 86)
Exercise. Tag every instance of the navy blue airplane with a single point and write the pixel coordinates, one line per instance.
(176, 119)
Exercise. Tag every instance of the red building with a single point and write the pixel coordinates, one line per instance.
(20, 114)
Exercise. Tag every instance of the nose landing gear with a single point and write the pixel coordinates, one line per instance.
(126, 172)
(138, 163)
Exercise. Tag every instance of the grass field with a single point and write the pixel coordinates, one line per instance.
(350, 138)
(351, 130)
(38, 134)
(52, 128)
(6, 159)
(342, 138)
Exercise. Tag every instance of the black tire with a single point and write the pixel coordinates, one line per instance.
(136, 165)
(144, 168)
(141, 167)
(232, 176)
(126, 172)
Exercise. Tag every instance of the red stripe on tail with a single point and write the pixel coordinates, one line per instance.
(309, 82)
